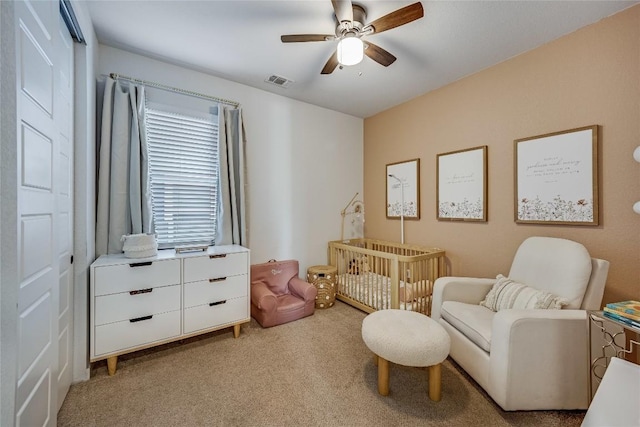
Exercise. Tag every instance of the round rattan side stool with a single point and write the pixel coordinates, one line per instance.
(323, 277)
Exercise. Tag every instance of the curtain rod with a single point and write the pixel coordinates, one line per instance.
(174, 89)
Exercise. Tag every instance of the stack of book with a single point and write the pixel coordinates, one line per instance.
(626, 311)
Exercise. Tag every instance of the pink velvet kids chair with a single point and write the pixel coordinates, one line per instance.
(278, 295)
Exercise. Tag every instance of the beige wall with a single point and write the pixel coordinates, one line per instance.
(588, 77)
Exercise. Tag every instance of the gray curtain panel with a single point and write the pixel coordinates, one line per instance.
(124, 202)
(232, 220)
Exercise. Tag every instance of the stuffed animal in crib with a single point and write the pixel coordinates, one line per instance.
(353, 267)
(359, 266)
(364, 265)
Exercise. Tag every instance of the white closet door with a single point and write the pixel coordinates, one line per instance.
(41, 232)
(64, 122)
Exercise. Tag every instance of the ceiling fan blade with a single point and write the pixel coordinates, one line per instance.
(399, 17)
(294, 38)
(331, 64)
(379, 55)
(343, 9)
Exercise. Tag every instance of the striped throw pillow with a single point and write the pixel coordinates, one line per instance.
(506, 293)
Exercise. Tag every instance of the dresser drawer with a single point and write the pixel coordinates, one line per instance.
(115, 337)
(205, 291)
(214, 266)
(134, 304)
(118, 278)
(206, 316)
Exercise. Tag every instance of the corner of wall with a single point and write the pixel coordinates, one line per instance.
(86, 64)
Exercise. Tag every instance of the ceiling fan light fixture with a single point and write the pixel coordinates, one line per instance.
(350, 50)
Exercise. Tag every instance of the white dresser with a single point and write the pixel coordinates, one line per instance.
(140, 303)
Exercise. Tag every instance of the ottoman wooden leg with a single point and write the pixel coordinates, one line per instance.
(383, 376)
(375, 359)
(112, 363)
(435, 379)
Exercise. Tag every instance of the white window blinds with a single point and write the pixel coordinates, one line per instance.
(183, 170)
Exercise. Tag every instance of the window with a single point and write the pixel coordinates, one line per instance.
(183, 171)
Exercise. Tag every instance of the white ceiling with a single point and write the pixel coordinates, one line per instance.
(240, 41)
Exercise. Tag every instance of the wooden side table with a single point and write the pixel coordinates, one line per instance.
(323, 277)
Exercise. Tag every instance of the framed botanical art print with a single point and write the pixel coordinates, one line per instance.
(403, 189)
(461, 184)
(556, 178)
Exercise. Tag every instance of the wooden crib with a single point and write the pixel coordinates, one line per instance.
(374, 274)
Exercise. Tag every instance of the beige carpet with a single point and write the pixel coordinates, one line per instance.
(312, 372)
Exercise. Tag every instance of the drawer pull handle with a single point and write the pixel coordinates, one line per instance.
(140, 319)
(211, 304)
(141, 291)
(217, 256)
(217, 279)
(140, 264)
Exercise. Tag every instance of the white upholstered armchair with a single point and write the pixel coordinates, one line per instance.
(525, 358)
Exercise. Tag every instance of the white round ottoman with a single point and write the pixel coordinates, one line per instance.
(406, 338)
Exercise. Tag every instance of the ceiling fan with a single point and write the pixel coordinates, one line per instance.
(350, 30)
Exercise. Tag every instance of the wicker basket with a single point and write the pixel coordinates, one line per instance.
(139, 245)
(323, 277)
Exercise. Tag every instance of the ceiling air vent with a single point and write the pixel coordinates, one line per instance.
(279, 81)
